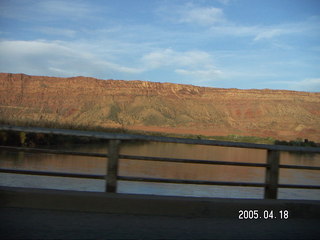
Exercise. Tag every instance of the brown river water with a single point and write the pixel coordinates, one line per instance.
(75, 164)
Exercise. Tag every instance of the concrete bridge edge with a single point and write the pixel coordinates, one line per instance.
(150, 204)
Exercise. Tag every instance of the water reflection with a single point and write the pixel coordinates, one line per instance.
(91, 165)
(302, 159)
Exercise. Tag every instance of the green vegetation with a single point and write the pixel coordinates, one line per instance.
(13, 138)
(113, 115)
(23, 139)
(153, 119)
(249, 139)
(43, 85)
(35, 139)
(53, 124)
(298, 142)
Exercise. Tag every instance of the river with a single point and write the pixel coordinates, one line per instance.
(75, 164)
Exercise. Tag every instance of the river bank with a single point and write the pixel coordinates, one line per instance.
(13, 138)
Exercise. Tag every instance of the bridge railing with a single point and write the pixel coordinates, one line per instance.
(272, 165)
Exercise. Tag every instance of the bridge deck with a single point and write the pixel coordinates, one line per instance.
(26, 223)
(54, 214)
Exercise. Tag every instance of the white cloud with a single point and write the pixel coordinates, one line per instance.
(201, 15)
(257, 33)
(197, 64)
(169, 57)
(219, 25)
(205, 74)
(230, 29)
(56, 58)
(275, 31)
(157, 59)
(117, 48)
(269, 33)
(191, 14)
(65, 59)
(310, 84)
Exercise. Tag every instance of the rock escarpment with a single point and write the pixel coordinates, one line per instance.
(161, 107)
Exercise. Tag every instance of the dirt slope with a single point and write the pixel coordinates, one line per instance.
(163, 107)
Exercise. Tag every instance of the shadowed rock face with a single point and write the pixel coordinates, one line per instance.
(163, 107)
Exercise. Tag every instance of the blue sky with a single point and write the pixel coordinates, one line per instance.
(217, 43)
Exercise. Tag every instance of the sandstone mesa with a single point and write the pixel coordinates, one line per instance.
(160, 107)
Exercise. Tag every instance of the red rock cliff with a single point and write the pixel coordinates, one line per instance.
(163, 107)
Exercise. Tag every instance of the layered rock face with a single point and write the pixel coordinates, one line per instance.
(161, 107)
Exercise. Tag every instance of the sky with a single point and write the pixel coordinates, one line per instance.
(246, 44)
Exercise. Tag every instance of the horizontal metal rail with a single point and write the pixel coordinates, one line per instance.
(144, 158)
(298, 186)
(181, 160)
(299, 167)
(272, 165)
(183, 181)
(52, 151)
(204, 182)
(52, 174)
(131, 157)
(136, 137)
(155, 180)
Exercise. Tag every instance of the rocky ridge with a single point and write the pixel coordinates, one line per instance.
(160, 107)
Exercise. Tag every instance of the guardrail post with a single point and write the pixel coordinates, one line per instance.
(112, 171)
(272, 175)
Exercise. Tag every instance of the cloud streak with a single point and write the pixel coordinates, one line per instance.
(59, 58)
(200, 15)
(198, 64)
(169, 57)
(56, 58)
(309, 84)
(47, 10)
(184, 42)
(190, 13)
(218, 24)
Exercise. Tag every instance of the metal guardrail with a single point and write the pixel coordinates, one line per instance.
(272, 165)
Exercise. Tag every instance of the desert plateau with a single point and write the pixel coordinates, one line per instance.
(158, 107)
